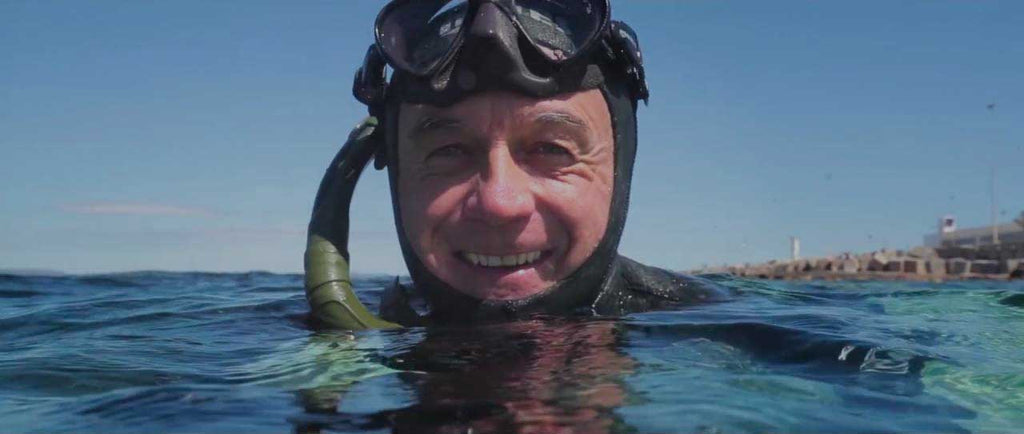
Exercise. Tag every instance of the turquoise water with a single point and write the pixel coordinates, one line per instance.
(214, 352)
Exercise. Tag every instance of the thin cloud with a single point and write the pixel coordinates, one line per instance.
(250, 232)
(136, 209)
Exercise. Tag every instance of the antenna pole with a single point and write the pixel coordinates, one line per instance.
(995, 225)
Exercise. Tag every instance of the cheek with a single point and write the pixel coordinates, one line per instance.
(584, 210)
(594, 210)
(425, 206)
(413, 210)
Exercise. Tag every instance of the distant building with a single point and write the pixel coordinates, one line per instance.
(947, 224)
(949, 235)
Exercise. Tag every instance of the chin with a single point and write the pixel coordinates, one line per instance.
(508, 293)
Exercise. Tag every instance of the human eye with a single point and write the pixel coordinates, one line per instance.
(551, 149)
(453, 150)
(553, 153)
(550, 155)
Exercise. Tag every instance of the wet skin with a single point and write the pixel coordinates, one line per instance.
(501, 195)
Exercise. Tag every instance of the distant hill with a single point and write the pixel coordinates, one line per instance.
(30, 272)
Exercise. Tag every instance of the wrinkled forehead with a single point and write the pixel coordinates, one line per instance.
(506, 111)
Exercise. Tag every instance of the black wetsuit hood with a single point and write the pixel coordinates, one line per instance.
(498, 64)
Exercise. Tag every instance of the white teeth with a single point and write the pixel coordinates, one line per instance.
(500, 261)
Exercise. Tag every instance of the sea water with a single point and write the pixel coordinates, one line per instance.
(233, 352)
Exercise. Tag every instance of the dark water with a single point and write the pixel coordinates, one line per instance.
(217, 352)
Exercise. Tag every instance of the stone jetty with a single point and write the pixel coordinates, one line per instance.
(1003, 261)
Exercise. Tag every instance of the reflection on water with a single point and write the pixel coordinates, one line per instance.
(551, 374)
(230, 352)
(540, 375)
(537, 374)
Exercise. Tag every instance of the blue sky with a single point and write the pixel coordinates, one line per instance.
(192, 135)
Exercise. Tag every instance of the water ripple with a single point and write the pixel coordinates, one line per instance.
(157, 351)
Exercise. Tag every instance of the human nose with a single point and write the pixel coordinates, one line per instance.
(503, 190)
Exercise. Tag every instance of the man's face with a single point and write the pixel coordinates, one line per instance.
(502, 195)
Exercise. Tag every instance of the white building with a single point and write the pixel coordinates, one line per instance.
(949, 235)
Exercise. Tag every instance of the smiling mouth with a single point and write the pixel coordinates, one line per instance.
(506, 261)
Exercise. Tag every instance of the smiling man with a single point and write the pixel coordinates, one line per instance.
(503, 195)
(508, 128)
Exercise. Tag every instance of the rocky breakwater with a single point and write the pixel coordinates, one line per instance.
(1004, 261)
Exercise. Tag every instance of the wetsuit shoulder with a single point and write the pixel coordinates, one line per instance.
(636, 287)
(399, 304)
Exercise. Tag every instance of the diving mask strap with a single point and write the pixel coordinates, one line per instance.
(328, 280)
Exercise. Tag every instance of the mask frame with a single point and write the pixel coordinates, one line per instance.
(403, 24)
(619, 45)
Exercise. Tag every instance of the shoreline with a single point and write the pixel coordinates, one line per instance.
(924, 264)
(878, 276)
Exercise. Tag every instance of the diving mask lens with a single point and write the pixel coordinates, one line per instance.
(418, 35)
(561, 29)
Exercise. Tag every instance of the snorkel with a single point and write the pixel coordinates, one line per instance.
(532, 47)
(328, 280)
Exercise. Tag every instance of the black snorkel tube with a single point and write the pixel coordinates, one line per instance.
(328, 278)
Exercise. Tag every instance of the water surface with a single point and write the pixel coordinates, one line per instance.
(203, 352)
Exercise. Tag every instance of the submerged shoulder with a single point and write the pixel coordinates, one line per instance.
(402, 304)
(638, 287)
